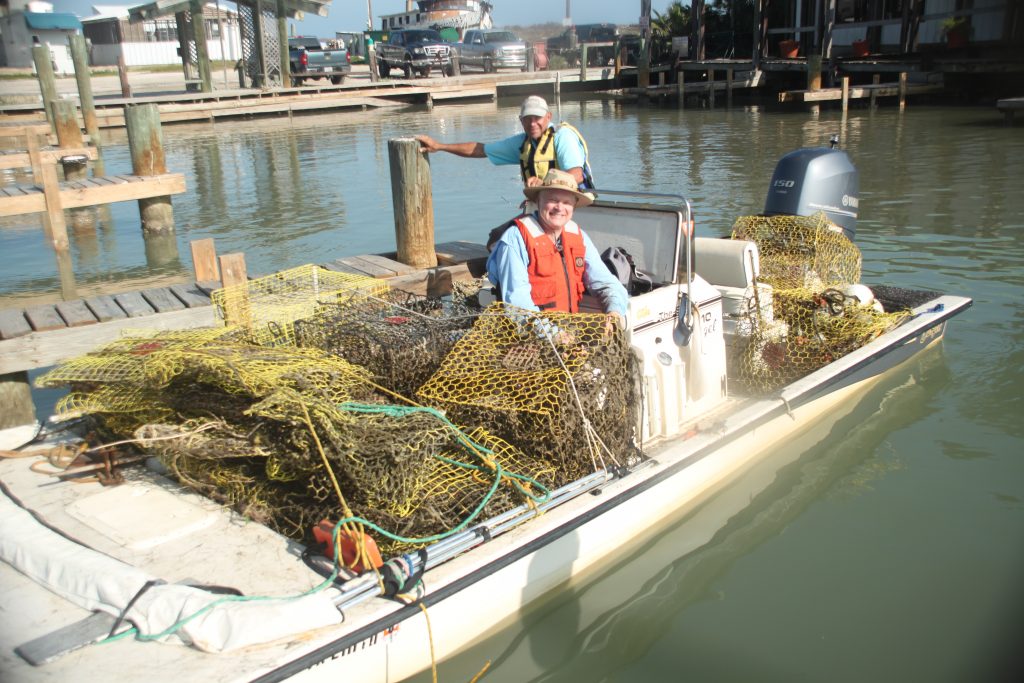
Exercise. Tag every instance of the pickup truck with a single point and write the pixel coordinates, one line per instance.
(566, 46)
(414, 49)
(492, 49)
(308, 60)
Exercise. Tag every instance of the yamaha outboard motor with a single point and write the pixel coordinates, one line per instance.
(816, 179)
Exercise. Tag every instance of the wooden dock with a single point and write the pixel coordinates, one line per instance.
(1009, 106)
(21, 199)
(859, 92)
(44, 335)
(235, 103)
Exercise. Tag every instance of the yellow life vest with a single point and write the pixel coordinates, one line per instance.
(535, 160)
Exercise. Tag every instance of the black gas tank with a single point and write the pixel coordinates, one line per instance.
(816, 179)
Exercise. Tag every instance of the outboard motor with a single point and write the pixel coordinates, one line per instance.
(816, 179)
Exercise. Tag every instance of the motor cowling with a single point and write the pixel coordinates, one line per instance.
(816, 179)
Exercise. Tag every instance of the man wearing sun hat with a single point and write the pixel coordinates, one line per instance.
(544, 261)
(540, 147)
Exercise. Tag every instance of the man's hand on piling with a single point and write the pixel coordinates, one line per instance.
(428, 144)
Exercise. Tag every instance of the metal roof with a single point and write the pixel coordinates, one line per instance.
(163, 8)
(52, 21)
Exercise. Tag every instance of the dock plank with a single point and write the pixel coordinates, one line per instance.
(396, 267)
(76, 313)
(90, 193)
(451, 253)
(366, 267)
(162, 299)
(191, 295)
(105, 308)
(133, 304)
(44, 318)
(13, 324)
(339, 267)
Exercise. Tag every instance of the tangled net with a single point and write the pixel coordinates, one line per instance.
(366, 403)
(815, 316)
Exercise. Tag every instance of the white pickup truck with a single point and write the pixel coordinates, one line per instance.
(492, 49)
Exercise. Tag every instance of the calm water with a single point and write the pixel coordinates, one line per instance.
(887, 545)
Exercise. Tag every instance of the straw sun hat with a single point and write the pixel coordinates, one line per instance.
(560, 180)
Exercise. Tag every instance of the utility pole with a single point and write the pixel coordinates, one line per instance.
(568, 13)
(369, 15)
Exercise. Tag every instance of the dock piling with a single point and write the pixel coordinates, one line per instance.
(681, 87)
(146, 144)
(903, 90)
(711, 88)
(204, 260)
(122, 73)
(83, 78)
(47, 81)
(875, 80)
(69, 136)
(45, 175)
(846, 93)
(16, 406)
(411, 190)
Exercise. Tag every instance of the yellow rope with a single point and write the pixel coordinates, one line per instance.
(481, 672)
(430, 635)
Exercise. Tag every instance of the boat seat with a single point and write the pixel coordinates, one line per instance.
(731, 266)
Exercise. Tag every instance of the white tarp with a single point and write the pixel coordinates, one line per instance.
(101, 583)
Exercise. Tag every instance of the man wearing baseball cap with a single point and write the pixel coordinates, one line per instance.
(539, 148)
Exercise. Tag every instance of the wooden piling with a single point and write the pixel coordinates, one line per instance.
(372, 57)
(204, 260)
(47, 81)
(681, 87)
(875, 80)
(122, 73)
(728, 87)
(45, 175)
(903, 90)
(531, 64)
(69, 136)
(146, 144)
(813, 72)
(456, 64)
(232, 269)
(846, 93)
(411, 191)
(583, 62)
(83, 77)
(16, 406)
(711, 88)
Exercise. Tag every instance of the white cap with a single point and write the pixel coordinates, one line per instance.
(533, 106)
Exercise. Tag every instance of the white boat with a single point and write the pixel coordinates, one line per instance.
(440, 14)
(698, 437)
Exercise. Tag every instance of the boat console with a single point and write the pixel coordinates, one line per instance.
(677, 328)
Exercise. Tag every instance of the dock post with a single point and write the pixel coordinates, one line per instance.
(681, 87)
(146, 144)
(69, 135)
(728, 87)
(711, 88)
(85, 99)
(813, 72)
(16, 407)
(45, 175)
(372, 58)
(846, 93)
(413, 203)
(47, 82)
(531, 64)
(583, 62)
(456, 65)
(903, 90)
(558, 84)
(875, 80)
(122, 74)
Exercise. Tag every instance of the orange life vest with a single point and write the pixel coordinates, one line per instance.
(556, 279)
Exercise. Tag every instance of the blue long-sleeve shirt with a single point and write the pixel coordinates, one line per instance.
(507, 268)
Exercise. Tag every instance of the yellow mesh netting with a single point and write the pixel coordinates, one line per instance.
(268, 306)
(816, 316)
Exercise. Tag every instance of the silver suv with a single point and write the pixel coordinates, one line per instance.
(492, 49)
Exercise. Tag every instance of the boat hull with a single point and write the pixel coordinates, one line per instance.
(481, 591)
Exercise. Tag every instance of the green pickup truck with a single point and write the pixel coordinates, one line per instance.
(308, 59)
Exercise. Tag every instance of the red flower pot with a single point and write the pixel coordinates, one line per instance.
(788, 49)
